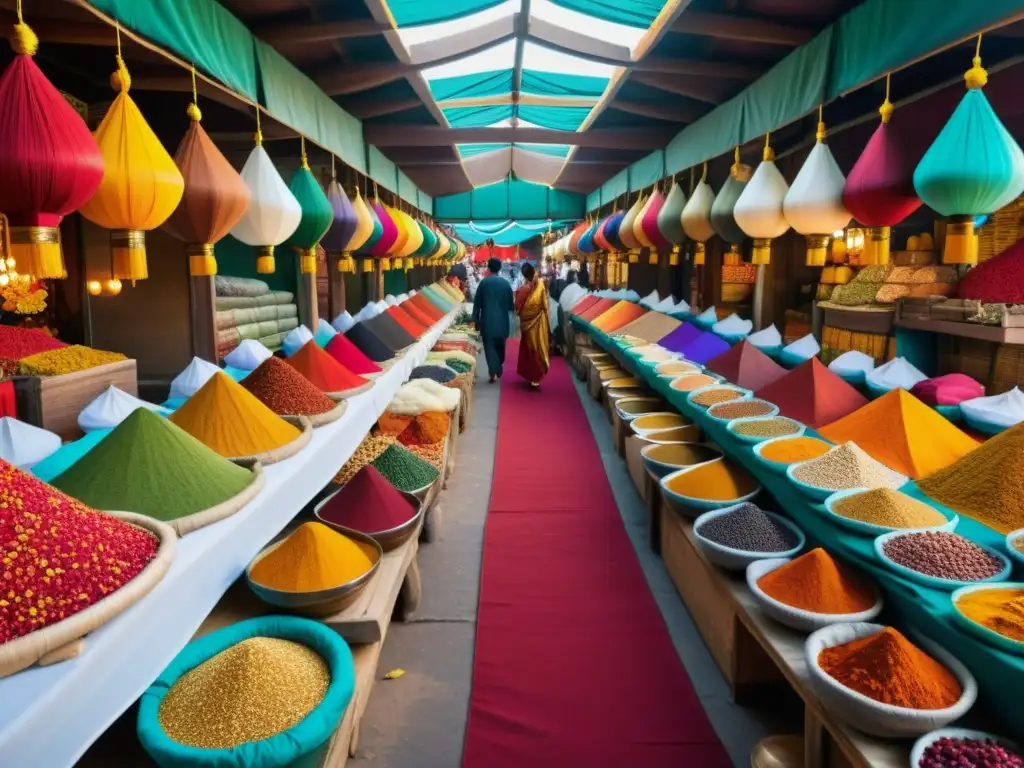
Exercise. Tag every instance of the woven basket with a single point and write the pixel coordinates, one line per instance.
(320, 419)
(285, 451)
(205, 517)
(63, 640)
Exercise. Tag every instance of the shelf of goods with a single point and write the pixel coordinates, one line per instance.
(995, 333)
(70, 704)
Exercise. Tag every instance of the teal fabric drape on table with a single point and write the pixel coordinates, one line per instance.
(633, 13)
(910, 607)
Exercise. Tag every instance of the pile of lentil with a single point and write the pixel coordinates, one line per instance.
(248, 692)
(716, 395)
(817, 583)
(847, 466)
(58, 556)
(889, 509)
(56, 362)
(749, 529)
(942, 555)
(968, 753)
(432, 453)
(777, 426)
(442, 374)
(793, 449)
(691, 381)
(676, 367)
(715, 481)
(404, 470)
(1001, 610)
(368, 450)
(683, 454)
(285, 391)
(741, 409)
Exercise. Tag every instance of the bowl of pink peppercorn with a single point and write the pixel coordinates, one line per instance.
(963, 748)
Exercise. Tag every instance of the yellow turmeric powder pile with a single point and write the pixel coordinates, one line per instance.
(312, 558)
(715, 481)
(226, 417)
(659, 421)
(1001, 610)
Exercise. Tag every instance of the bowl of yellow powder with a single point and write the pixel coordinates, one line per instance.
(874, 511)
(716, 484)
(664, 459)
(993, 613)
(315, 570)
(655, 422)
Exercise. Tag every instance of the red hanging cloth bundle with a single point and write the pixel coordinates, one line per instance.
(49, 162)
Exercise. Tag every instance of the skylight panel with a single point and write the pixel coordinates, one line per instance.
(411, 36)
(542, 59)
(494, 59)
(586, 25)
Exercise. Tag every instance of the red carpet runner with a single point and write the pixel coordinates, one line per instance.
(574, 665)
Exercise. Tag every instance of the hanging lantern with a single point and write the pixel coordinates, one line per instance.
(722, 219)
(574, 237)
(376, 233)
(344, 223)
(814, 204)
(696, 217)
(273, 214)
(214, 199)
(600, 241)
(141, 185)
(626, 233)
(396, 248)
(973, 168)
(758, 212)
(413, 241)
(638, 223)
(41, 138)
(389, 231)
(317, 214)
(649, 226)
(610, 231)
(428, 245)
(879, 192)
(669, 223)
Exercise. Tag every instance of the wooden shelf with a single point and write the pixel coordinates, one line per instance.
(995, 333)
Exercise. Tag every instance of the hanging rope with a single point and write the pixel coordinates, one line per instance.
(25, 40)
(259, 133)
(821, 132)
(193, 110)
(302, 152)
(887, 108)
(120, 80)
(976, 77)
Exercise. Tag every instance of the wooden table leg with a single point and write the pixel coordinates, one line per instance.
(815, 741)
(411, 590)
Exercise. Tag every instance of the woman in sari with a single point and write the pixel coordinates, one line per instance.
(534, 346)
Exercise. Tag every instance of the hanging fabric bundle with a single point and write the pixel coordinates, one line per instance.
(415, 241)
(389, 231)
(974, 167)
(401, 236)
(669, 223)
(273, 213)
(638, 223)
(586, 241)
(814, 204)
(649, 226)
(376, 233)
(574, 237)
(344, 222)
(41, 138)
(696, 216)
(758, 212)
(626, 231)
(141, 185)
(428, 245)
(600, 241)
(610, 231)
(317, 213)
(363, 231)
(722, 219)
(214, 199)
(879, 192)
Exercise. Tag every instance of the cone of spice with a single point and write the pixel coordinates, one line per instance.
(747, 366)
(226, 417)
(847, 466)
(416, 314)
(368, 450)
(422, 303)
(68, 555)
(368, 503)
(323, 371)
(369, 343)
(390, 332)
(405, 470)
(1001, 610)
(312, 558)
(406, 322)
(815, 582)
(285, 391)
(150, 466)
(341, 348)
(812, 394)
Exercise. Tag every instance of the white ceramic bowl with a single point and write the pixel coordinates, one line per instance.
(955, 733)
(873, 717)
(661, 468)
(1015, 554)
(737, 559)
(797, 618)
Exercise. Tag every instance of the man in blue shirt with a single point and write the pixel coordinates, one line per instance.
(492, 307)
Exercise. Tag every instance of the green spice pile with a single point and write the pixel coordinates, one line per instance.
(368, 450)
(405, 470)
(775, 427)
(847, 466)
(150, 466)
(459, 366)
(249, 692)
(285, 391)
(888, 508)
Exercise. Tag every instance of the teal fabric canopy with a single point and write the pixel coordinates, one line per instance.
(633, 13)
(477, 117)
(552, 84)
(553, 150)
(558, 118)
(410, 13)
(506, 232)
(519, 200)
(472, 86)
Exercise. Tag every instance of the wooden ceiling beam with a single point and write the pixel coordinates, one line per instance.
(294, 32)
(384, 135)
(671, 66)
(368, 108)
(702, 89)
(728, 27)
(181, 82)
(676, 113)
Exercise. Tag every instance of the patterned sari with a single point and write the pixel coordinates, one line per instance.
(534, 347)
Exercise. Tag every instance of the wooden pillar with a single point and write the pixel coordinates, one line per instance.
(203, 309)
(378, 280)
(336, 298)
(307, 300)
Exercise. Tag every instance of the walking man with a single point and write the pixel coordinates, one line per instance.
(492, 307)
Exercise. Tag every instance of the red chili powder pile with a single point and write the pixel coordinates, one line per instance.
(999, 280)
(597, 309)
(812, 394)
(58, 555)
(350, 356)
(424, 305)
(416, 314)
(408, 325)
(285, 391)
(324, 371)
(747, 366)
(368, 503)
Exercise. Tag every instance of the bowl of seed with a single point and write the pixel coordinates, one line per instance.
(655, 422)
(1015, 544)
(674, 368)
(714, 485)
(777, 453)
(760, 428)
(941, 559)
(689, 382)
(734, 537)
(945, 746)
(842, 467)
(705, 397)
(874, 511)
(664, 459)
(742, 409)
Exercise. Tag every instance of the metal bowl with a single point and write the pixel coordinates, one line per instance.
(322, 602)
(389, 539)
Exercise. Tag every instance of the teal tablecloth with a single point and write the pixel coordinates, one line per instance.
(1000, 675)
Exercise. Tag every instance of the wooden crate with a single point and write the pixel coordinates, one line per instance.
(635, 464)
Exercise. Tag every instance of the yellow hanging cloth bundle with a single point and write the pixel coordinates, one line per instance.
(141, 184)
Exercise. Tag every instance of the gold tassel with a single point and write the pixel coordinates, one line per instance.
(367, 265)
(37, 251)
(762, 251)
(201, 260)
(817, 250)
(265, 264)
(128, 254)
(409, 264)
(699, 254)
(652, 258)
(307, 261)
(385, 264)
(673, 258)
(961, 245)
(634, 256)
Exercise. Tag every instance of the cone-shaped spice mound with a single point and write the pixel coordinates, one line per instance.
(54, 540)
(284, 390)
(313, 557)
(815, 582)
(747, 366)
(408, 324)
(422, 303)
(414, 312)
(324, 371)
(369, 343)
(225, 416)
(148, 465)
(368, 503)
(812, 394)
(596, 309)
(987, 484)
(903, 433)
(350, 356)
